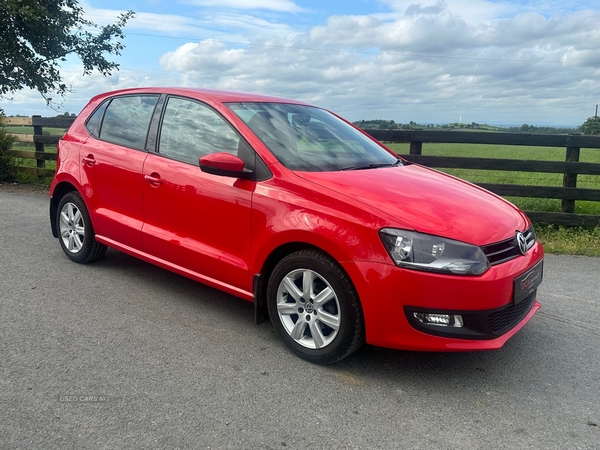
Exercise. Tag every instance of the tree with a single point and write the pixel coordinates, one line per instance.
(37, 35)
(7, 162)
(591, 125)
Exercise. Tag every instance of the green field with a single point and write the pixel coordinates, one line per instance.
(523, 178)
(18, 129)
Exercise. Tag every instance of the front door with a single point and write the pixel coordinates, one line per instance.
(197, 221)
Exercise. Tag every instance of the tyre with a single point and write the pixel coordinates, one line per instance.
(75, 230)
(314, 307)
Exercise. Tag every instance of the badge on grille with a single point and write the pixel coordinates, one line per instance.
(522, 242)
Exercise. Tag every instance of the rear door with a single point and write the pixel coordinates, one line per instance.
(112, 160)
(194, 220)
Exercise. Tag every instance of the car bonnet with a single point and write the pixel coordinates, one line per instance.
(429, 201)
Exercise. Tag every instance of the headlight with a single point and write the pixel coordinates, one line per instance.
(432, 253)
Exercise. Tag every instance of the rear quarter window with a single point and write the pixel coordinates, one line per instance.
(95, 120)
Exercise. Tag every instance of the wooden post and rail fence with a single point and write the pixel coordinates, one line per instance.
(568, 193)
(39, 140)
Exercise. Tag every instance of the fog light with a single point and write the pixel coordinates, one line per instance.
(442, 320)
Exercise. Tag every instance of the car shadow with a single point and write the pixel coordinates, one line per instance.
(519, 360)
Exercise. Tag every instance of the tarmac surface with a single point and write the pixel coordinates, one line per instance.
(122, 354)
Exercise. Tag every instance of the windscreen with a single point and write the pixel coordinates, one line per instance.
(311, 139)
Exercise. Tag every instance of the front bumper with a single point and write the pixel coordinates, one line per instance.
(389, 296)
(475, 324)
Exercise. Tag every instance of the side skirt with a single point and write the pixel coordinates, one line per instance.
(249, 296)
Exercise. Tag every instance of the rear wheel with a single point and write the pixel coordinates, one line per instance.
(314, 307)
(75, 230)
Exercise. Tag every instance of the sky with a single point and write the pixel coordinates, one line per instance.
(505, 62)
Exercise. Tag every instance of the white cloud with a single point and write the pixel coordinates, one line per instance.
(251, 26)
(192, 57)
(363, 66)
(472, 11)
(226, 25)
(157, 23)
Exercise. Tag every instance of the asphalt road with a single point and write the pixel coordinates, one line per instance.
(121, 354)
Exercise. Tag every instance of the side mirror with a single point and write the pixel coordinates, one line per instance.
(223, 164)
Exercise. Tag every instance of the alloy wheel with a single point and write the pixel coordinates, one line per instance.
(72, 227)
(308, 308)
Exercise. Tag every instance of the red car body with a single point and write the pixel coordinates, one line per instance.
(229, 232)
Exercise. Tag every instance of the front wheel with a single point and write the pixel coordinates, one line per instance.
(75, 230)
(314, 307)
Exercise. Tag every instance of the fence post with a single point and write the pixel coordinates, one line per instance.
(570, 179)
(415, 147)
(39, 147)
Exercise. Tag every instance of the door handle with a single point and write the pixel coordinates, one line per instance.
(154, 179)
(89, 160)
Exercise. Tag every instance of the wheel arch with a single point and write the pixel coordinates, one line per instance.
(60, 190)
(261, 279)
(348, 332)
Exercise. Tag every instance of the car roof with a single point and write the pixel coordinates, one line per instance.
(208, 95)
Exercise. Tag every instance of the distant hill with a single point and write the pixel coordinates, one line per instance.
(379, 124)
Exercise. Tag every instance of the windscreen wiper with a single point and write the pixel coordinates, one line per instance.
(373, 166)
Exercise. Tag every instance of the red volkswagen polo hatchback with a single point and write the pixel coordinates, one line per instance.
(287, 205)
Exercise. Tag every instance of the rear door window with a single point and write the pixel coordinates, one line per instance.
(126, 120)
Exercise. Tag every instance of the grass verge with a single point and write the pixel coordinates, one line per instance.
(27, 178)
(569, 241)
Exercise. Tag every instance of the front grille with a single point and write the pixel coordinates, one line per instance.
(500, 321)
(509, 249)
